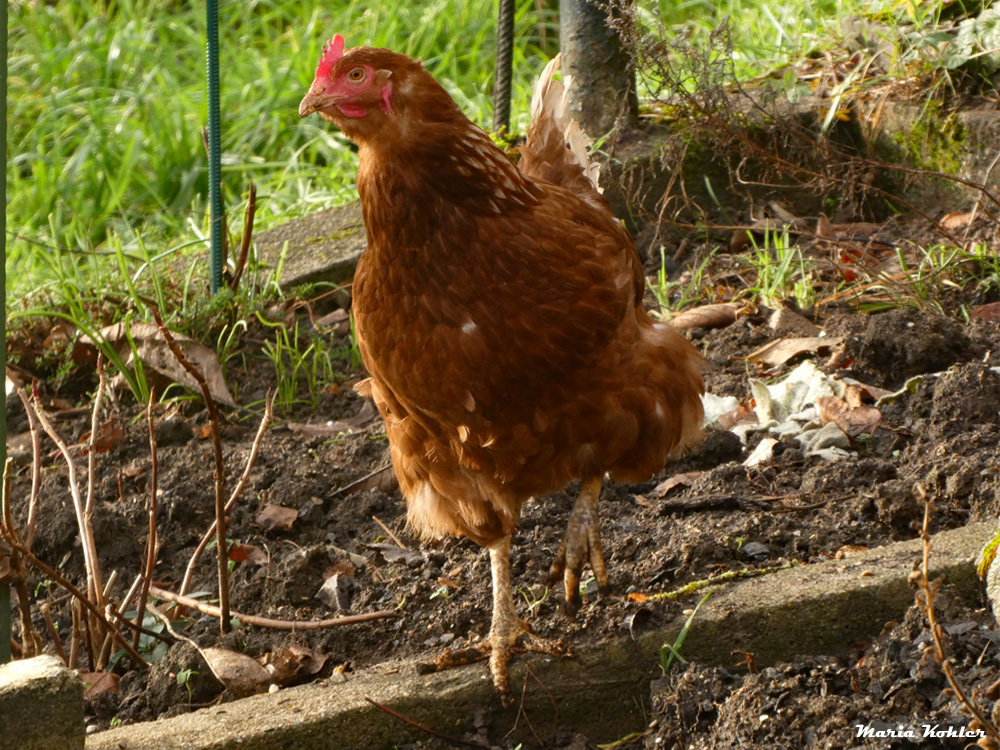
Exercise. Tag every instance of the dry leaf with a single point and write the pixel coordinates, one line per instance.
(240, 674)
(708, 316)
(383, 480)
(291, 664)
(677, 480)
(742, 413)
(986, 312)
(97, 683)
(957, 220)
(273, 517)
(108, 437)
(248, 553)
(778, 352)
(853, 421)
(332, 429)
(159, 362)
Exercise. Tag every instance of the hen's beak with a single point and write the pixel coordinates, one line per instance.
(315, 100)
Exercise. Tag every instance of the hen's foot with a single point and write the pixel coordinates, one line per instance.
(500, 648)
(509, 634)
(581, 545)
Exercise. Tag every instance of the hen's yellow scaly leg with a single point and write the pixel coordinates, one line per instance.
(509, 634)
(582, 544)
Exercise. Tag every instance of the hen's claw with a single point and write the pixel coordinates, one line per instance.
(581, 545)
(509, 634)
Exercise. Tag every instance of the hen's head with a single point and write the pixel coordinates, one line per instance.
(369, 92)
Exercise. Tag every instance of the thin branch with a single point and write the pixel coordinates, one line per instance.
(267, 622)
(31, 642)
(36, 468)
(388, 531)
(222, 557)
(422, 728)
(937, 633)
(248, 218)
(151, 541)
(91, 564)
(251, 460)
(61, 580)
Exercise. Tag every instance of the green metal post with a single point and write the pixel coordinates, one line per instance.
(214, 146)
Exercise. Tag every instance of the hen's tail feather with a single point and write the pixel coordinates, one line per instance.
(556, 149)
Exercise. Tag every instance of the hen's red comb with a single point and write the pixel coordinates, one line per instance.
(332, 52)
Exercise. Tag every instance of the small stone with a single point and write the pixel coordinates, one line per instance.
(338, 591)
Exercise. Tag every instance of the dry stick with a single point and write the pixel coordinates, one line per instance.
(86, 530)
(147, 576)
(267, 622)
(421, 727)
(110, 614)
(251, 460)
(36, 468)
(248, 216)
(74, 644)
(220, 472)
(32, 642)
(53, 633)
(61, 580)
(388, 531)
(936, 632)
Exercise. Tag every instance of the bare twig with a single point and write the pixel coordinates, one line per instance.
(53, 633)
(251, 460)
(151, 541)
(31, 642)
(928, 588)
(248, 217)
(222, 557)
(91, 564)
(388, 531)
(421, 727)
(61, 580)
(267, 622)
(36, 468)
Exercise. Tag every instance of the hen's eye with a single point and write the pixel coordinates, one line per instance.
(357, 75)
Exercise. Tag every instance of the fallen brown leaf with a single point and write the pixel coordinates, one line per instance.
(240, 674)
(159, 362)
(273, 517)
(778, 352)
(677, 480)
(97, 683)
(986, 312)
(853, 421)
(708, 316)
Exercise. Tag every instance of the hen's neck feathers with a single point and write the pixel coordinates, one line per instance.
(438, 167)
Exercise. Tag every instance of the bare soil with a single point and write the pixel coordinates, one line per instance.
(945, 435)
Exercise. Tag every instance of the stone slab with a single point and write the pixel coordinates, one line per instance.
(811, 609)
(41, 706)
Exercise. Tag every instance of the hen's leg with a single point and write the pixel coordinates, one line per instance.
(582, 544)
(509, 634)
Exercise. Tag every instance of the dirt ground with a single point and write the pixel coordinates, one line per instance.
(944, 434)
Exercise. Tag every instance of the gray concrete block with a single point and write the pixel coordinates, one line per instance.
(811, 609)
(41, 706)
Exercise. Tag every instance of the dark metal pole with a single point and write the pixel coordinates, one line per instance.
(214, 146)
(600, 63)
(505, 64)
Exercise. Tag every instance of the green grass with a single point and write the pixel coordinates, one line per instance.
(107, 102)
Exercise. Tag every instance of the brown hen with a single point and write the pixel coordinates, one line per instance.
(499, 314)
